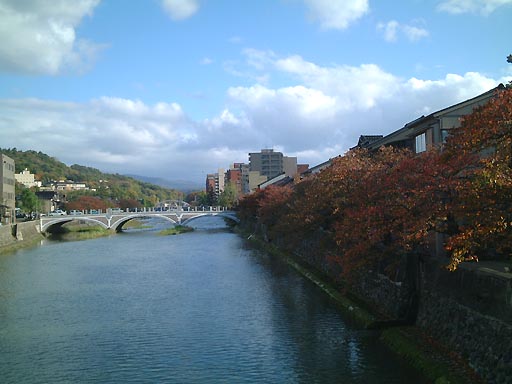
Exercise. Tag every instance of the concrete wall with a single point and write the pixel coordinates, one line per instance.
(19, 235)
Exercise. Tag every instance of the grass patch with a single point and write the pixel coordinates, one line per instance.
(81, 232)
(176, 230)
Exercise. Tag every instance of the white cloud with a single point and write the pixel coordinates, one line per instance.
(318, 114)
(41, 39)
(336, 14)
(391, 29)
(484, 7)
(180, 9)
(235, 40)
(414, 33)
(353, 87)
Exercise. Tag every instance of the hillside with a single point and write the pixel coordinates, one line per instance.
(112, 186)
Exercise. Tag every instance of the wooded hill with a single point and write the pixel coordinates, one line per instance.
(108, 186)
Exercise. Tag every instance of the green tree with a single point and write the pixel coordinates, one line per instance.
(29, 201)
(228, 197)
(211, 197)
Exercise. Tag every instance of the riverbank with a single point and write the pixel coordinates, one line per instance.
(436, 362)
(20, 235)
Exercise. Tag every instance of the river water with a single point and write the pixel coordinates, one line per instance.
(201, 307)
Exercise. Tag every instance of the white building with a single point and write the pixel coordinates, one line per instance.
(27, 179)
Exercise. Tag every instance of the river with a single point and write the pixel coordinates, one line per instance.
(201, 307)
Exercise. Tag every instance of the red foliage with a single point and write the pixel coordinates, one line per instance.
(381, 207)
(129, 203)
(390, 205)
(483, 207)
(86, 203)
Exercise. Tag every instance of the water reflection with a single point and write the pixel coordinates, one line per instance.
(202, 307)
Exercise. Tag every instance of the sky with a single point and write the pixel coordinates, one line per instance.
(179, 88)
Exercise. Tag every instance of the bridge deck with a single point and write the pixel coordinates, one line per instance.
(116, 220)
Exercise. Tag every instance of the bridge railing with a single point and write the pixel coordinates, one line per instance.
(111, 211)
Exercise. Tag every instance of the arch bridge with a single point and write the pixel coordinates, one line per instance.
(116, 220)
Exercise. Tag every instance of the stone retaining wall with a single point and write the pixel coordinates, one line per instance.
(6, 237)
(484, 341)
(19, 235)
(470, 311)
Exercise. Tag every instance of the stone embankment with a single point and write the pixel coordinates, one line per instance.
(454, 326)
(19, 235)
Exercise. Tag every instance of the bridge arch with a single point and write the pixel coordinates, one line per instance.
(225, 215)
(118, 224)
(59, 221)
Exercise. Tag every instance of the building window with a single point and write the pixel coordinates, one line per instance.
(444, 135)
(421, 143)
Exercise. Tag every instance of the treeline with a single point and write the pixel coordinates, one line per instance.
(370, 210)
(103, 186)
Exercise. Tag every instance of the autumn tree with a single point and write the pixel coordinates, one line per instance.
(483, 207)
(82, 203)
(129, 204)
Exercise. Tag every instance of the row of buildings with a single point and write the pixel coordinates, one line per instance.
(269, 167)
(49, 195)
(263, 166)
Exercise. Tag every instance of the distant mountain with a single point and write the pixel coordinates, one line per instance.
(180, 185)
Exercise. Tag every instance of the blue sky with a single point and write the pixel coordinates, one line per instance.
(179, 88)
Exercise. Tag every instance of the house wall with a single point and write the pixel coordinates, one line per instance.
(290, 166)
(7, 189)
(255, 179)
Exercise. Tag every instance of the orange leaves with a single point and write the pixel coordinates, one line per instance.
(484, 196)
(376, 207)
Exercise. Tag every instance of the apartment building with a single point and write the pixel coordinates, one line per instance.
(7, 190)
(270, 163)
(215, 182)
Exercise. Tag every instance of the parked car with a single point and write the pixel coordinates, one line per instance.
(57, 212)
(75, 212)
(94, 212)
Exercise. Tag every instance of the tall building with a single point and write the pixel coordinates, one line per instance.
(215, 182)
(234, 177)
(271, 164)
(7, 183)
(267, 162)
